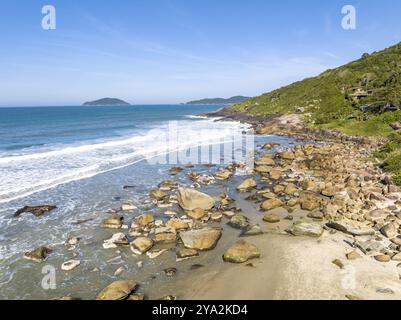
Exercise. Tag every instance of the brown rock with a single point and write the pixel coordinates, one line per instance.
(241, 252)
(196, 214)
(271, 218)
(141, 245)
(271, 204)
(202, 239)
(118, 290)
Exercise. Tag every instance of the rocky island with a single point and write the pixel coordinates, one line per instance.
(107, 102)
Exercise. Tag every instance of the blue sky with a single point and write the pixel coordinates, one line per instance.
(169, 51)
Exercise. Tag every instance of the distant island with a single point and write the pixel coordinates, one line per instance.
(232, 100)
(107, 102)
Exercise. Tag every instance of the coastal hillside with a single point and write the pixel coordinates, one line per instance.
(232, 100)
(360, 98)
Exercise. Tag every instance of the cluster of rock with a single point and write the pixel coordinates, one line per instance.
(336, 185)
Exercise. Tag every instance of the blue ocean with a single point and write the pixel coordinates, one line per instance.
(88, 161)
(43, 147)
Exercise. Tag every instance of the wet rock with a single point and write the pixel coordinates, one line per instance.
(190, 199)
(223, 174)
(271, 204)
(153, 254)
(118, 290)
(271, 218)
(352, 228)
(241, 252)
(247, 185)
(38, 255)
(70, 265)
(116, 240)
(239, 222)
(216, 216)
(144, 220)
(36, 211)
(177, 224)
(389, 230)
(158, 194)
(115, 222)
(175, 170)
(184, 253)
(306, 229)
(253, 230)
(196, 214)
(168, 185)
(170, 272)
(166, 237)
(141, 245)
(71, 243)
(202, 239)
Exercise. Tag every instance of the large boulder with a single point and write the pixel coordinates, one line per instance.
(190, 199)
(306, 229)
(241, 252)
(118, 290)
(202, 239)
(36, 211)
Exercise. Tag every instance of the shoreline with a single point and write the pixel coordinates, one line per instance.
(314, 184)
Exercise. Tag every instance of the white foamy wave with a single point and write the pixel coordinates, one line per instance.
(28, 173)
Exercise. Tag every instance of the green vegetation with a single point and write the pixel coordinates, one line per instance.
(359, 98)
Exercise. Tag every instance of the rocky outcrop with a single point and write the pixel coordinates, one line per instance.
(36, 211)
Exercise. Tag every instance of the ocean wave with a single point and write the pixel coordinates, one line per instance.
(42, 169)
